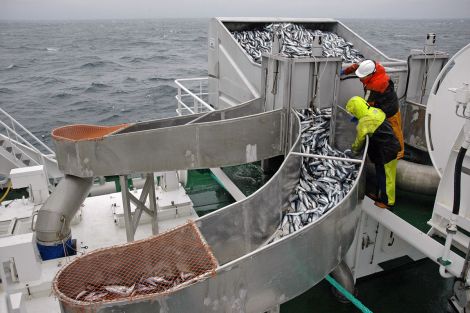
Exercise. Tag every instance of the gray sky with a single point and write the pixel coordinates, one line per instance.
(115, 9)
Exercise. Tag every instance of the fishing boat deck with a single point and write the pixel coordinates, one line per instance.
(401, 279)
(390, 291)
(97, 228)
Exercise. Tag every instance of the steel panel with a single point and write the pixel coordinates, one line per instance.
(254, 277)
(199, 145)
(414, 131)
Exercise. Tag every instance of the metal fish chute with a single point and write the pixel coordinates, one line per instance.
(323, 182)
(296, 41)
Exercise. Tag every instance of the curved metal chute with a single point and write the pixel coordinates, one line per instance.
(253, 276)
(129, 151)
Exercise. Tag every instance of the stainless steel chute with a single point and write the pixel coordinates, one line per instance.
(225, 139)
(252, 276)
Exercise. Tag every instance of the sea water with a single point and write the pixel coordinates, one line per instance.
(114, 71)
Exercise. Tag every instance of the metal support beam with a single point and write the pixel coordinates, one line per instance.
(147, 191)
(421, 241)
(138, 204)
(127, 208)
(153, 203)
(142, 198)
(228, 184)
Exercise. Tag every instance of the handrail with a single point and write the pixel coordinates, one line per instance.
(27, 143)
(21, 143)
(18, 136)
(13, 121)
(196, 98)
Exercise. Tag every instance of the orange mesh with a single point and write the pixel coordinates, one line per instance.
(81, 132)
(142, 269)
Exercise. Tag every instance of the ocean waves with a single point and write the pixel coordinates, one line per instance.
(123, 71)
(99, 64)
(97, 87)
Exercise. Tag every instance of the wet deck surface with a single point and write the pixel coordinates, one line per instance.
(415, 287)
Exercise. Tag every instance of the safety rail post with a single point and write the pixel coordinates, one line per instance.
(15, 122)
(199, 105)
(20, 140)
(179, 100)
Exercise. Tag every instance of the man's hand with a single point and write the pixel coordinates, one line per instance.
(351, 153)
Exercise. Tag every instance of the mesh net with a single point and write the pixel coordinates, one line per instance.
(141, 269)
(84, 132)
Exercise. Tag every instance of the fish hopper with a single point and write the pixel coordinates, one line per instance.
(229, 260)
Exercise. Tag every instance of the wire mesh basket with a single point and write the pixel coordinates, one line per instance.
(82, 132)
(142, 269)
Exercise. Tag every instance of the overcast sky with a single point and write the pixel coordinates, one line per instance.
(115, 9)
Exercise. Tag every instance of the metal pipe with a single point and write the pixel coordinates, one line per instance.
(444, 260)
(327, 157)
(452, 227)
(110, 187)
(53, 222)
(342, 274)
(415, 177)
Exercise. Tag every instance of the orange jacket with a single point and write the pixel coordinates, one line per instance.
(378, 81)
(379, 91)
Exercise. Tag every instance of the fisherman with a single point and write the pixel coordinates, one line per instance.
(383, 147)
(379, 91)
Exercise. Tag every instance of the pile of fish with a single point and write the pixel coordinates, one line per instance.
(323, 183)
(156, 284)
(296, 41)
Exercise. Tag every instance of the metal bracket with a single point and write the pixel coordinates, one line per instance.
(443, 262)
(366, 242)
(132, 222)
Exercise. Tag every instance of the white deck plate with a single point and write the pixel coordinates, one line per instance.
(96, 229)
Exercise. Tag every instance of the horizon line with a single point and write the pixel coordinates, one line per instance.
(180, 18)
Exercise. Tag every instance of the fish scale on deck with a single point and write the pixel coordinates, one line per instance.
(323, 183)
(296, 41)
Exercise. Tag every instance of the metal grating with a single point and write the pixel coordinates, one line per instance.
(142, 269)
(22, 226)
(5, 228)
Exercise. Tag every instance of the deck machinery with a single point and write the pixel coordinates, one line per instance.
(250, 116)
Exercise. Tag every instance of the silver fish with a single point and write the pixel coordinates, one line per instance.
(81, 294)
(185, 276)
(323, 183)
(120, 290)
(95, 296)
(157, 280)
(296, 41)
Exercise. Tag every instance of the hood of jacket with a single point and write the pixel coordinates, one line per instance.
(358, 107)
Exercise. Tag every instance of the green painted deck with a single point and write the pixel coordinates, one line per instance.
(415, 287)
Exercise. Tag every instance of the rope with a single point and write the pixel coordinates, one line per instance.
(6, 192)
(358, 304)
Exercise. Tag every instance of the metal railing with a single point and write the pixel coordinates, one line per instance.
(19, 143)
(197, 105)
